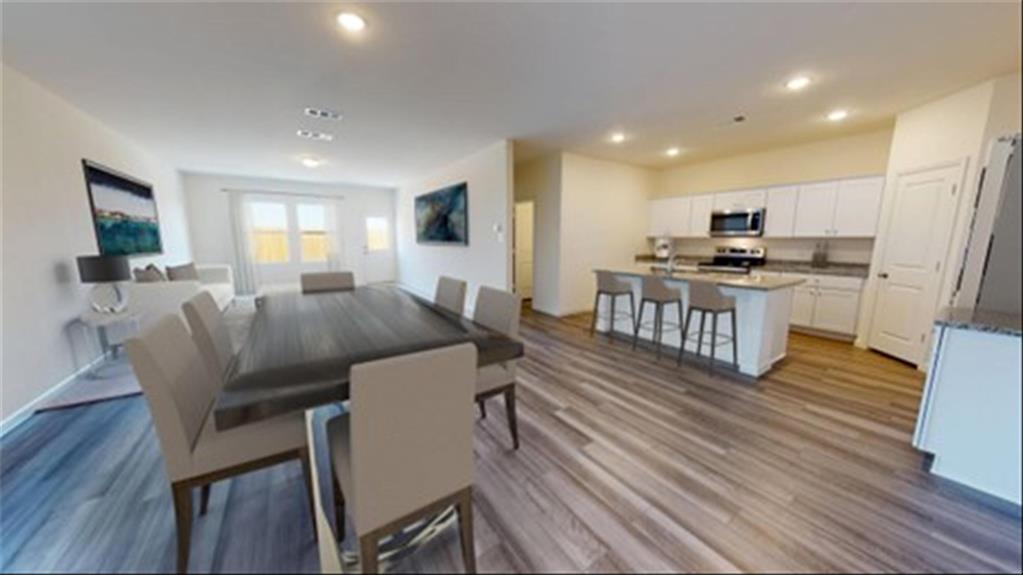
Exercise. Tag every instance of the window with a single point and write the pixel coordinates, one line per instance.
(269, 232)
(312, 227)
(377, 238)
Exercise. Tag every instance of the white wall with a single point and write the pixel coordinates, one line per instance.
(951, 129)
(47, 223)
(209, 214)
(603, 223)
(487, 260)
(539, 180)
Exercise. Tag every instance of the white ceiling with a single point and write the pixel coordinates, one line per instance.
(220, 87)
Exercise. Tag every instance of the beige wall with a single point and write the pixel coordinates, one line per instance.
(603, 223)
(857, 155)
(487, 260)
(47, 223)
(539, 180)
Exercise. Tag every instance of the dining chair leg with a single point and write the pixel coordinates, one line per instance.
(596, 310)
(685, 335)
(204, 499)
(465, 531)
(735, 341)
(368, 553)
(307, 476)
(339, 509)
(513, 422)
(183, 517)
(483, 409)
(713, 340)
(639, 322)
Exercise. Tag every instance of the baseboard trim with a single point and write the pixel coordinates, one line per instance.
(18, 417)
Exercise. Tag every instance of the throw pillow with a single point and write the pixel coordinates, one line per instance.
(182, 272)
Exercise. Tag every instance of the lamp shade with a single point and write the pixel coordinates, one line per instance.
(103, 269)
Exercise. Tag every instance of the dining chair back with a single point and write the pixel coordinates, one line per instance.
(315, 282)
(499, 310)
(450, 294)
(326, 538)
(209, 331)
(178, 387)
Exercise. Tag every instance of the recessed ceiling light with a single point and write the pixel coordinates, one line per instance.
(310, 135)
(322, 113)
(351, 21)
(672, 152)
(618, 137)
(838, 115)
(311, 162)
(797, 83)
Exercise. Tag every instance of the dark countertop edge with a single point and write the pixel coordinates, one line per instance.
(981, 320)
(861, 271)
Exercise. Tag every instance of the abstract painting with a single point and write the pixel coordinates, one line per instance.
(442, 216)
(123, 212)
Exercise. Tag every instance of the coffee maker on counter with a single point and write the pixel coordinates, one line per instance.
(662, 247)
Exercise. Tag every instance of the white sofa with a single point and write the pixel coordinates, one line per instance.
(152, 300)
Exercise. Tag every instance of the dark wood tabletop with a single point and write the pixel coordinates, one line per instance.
(301, 346)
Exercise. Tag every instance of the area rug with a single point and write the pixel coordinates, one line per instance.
(114, 379)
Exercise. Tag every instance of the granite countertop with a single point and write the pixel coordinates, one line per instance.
(783, 266)
(721, 279)
(980, 320)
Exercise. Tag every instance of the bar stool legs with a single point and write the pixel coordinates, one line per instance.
(714, 340)
(658, 323)
(613, 315)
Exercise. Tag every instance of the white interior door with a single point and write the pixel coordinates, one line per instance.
(376, 228)
(523, 249)
(916, 244)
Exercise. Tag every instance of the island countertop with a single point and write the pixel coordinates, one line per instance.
(739, 281)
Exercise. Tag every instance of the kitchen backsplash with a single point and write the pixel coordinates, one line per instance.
(843, 250)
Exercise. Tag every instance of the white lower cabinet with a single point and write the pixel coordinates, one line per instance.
(827, 303)
(803, 301)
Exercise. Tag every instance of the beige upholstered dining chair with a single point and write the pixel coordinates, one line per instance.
(500, 311)
(314, 282)
(209, 332)
(450, 294)
(404, 450)
(180, 390)
(331, 560)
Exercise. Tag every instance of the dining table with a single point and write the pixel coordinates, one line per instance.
(300, 347)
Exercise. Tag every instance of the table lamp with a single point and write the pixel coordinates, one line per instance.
(106, 272)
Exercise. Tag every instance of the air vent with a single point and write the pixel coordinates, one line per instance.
(322, 114)
(310, 135)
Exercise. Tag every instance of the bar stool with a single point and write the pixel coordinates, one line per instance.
(657, 292)
(705, 297)
(612, 287)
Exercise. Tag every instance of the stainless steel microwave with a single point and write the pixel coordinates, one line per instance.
(737, 222)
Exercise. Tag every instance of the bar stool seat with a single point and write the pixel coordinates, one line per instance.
(706, 298)
(656, 292)
(610, 286)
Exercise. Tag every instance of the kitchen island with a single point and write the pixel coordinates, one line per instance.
(763, 306)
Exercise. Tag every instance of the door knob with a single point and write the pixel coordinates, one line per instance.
(883, 275)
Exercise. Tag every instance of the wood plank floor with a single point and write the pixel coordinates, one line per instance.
(625, 465)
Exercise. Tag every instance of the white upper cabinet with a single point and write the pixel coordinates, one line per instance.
(699, 221)
(857, 207)
(833, 209)
(815, 210)
(780, 217)
(669, 217)
(740, 200)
